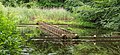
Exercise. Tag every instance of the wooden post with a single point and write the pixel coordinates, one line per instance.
(95, 39)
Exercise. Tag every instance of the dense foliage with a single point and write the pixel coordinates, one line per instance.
(10, 41)
(34, 3)
(103, 13)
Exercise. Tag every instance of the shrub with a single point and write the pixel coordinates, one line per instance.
(9, 38)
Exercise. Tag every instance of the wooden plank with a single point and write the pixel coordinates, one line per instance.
(73, 40)
(84, 37)
(27, 26)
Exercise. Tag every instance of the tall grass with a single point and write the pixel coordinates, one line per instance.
(25, 15)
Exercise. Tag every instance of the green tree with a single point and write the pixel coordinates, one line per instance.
(103, 13)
